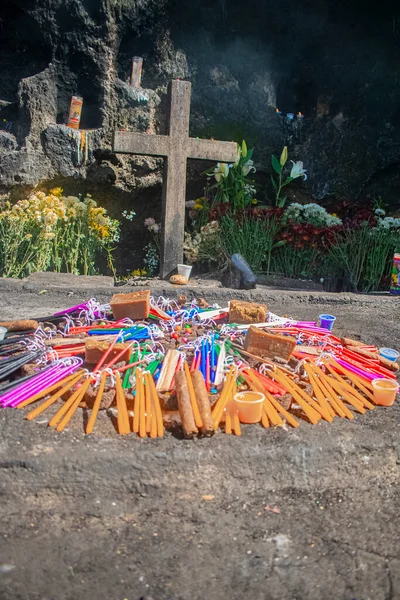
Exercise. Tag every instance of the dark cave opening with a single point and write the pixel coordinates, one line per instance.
(82, 78)
(23, 49)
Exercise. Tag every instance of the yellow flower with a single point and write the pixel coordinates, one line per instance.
(139, 273)
(254, 201)
(57, 191)
(198, 206)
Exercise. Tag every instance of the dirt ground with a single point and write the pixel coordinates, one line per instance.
(306, 514)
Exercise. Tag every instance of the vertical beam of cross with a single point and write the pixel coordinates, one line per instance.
(176, 147)
(173, 202)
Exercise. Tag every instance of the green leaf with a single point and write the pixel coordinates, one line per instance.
(280, 202)
(279, 244)
(274, 184)
(276, 165)
(249, 155)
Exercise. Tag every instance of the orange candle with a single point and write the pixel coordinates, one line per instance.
(39, 409)
(96, 405)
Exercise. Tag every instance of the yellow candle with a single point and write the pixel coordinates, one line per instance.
(96, 405)
(67, 405)
(139, 389)
(68, 416)
(123, 417)
(39, 409)
(50, 389)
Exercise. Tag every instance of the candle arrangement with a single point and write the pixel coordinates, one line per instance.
(144, 360)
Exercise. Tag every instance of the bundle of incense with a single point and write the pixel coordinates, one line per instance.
(203, 402)
(185, 406)
(21, 325)
(168, 370)
(39, 383)
(196, 413)
(15, 363)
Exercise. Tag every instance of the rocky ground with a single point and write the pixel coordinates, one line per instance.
(304, 514)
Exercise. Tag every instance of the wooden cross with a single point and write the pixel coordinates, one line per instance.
(176, 147)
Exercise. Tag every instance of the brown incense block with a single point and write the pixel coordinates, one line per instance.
(135, 305)
(23, 325)
(244, 313)
(94, 350)
(267, 344)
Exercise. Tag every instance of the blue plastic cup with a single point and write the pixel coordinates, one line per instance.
(326, 321)
(389, 354)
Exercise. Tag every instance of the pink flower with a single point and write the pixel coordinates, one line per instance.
(149, 222)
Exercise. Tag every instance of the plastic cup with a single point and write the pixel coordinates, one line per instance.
(389, 353)
(249, 405)
(326, 321)
(3, 331)
(385, 391)
(184, 270)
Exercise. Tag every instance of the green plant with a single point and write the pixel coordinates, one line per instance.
(204, 246)
(294, 262)
(363, 256)
(153, 248)
(251, 237)
(232, 181)
(278, 181)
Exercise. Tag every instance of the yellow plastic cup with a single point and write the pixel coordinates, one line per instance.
(249, 405)
(385, 391)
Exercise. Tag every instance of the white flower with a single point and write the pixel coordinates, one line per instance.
(380, 212)
(221, 170)
(297, 170)
(248, 167)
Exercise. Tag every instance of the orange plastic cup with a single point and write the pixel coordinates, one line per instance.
(385, 391)
(249, 405)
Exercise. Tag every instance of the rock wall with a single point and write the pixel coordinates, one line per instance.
(336, 63)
